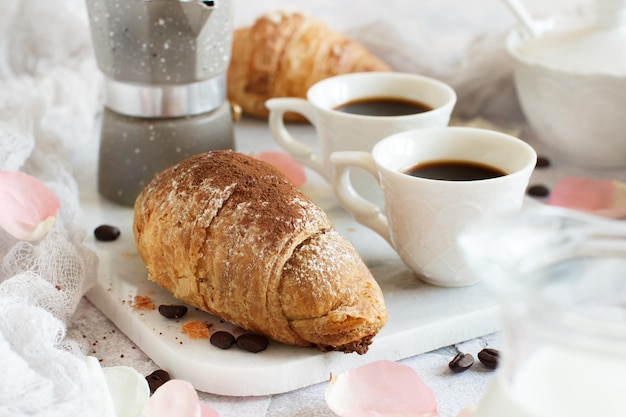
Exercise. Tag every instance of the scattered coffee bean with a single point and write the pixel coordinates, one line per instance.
(252, 342)
(489, 357)
(106, 233)
(542, 162)
(172, 311)
(461, 362)
(156, 379)
(222, 339)
(538, 190)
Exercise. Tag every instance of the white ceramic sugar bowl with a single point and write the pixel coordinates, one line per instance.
(571, 84)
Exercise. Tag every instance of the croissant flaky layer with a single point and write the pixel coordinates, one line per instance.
(283, 54)
(232, 236)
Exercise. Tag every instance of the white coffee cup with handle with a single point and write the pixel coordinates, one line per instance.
(424, 216)
(339, 130)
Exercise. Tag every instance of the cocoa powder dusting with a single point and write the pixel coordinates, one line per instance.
(254, 181)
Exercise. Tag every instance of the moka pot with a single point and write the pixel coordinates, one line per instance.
(165, 65)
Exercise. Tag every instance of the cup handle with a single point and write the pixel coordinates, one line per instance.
(300, 152)
(363, 210)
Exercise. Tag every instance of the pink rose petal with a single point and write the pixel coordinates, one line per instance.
(601, 197)
(176, 398)
(285, 164)
(382, 388)
(29, 208)
(583, 193)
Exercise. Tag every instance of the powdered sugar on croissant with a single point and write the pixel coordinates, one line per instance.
(284, 53)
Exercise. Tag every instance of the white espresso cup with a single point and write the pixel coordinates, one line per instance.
(424, 217)
(341, 131)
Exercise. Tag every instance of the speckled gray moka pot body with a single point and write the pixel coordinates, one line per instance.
(165, 64)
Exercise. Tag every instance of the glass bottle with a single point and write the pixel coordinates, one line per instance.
(561, 280)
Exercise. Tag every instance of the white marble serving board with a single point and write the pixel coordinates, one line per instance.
(421, 317)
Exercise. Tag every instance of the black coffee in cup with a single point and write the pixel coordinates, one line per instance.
(454, 170)
(383, 106)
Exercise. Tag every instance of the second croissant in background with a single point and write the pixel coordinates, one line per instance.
(284, 53)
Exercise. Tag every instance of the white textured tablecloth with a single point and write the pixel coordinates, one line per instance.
(458, 41)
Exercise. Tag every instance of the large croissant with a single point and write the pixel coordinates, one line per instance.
(231, 235)
(283, 54)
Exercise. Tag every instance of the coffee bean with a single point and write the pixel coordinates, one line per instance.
(172, 311)
(489, 357)
(461, 362)
(538, 190)
(252, 342)
(106, 233)
(156, 379)
(222, 339)
(543, 162)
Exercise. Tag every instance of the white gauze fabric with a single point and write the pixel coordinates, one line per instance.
(49, 96)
